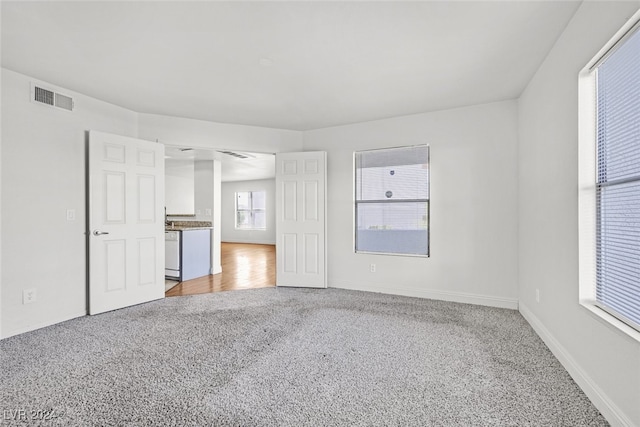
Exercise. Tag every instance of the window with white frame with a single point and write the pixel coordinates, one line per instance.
(392, 201)
(250, 210)
(617, 198)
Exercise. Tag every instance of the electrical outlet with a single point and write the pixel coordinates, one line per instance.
(29, 296)
(537, 295)
(207, 212)
(372, 268)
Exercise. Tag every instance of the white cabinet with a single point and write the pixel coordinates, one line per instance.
(179, 186)
(195, 254)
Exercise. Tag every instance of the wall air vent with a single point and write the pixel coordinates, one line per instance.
(49, 97)
(63, 101)
(234, 154)
(43, 95)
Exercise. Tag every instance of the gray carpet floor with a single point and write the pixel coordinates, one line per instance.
(290, 357)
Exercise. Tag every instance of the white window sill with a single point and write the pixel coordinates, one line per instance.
(610, 320)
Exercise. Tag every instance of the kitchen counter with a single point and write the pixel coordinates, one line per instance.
(186, 228)
(188, 225)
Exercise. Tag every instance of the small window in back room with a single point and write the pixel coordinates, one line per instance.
(250, 210)
(392, 201)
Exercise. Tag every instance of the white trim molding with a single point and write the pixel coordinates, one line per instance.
(36, 326)
(461, 297)
(598, 397)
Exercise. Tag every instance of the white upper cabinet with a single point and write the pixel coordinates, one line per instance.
(180, 186)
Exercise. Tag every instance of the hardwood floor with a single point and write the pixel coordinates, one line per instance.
(244, 266)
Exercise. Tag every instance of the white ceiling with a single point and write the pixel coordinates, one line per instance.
(254, 166)
(293, 65)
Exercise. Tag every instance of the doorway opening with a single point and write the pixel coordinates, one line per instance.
(246, 255)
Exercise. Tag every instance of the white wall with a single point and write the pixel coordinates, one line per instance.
(604, 362)
(473, 205)
(203, 189)
(43, 175)
(229, 232)
(216, 263)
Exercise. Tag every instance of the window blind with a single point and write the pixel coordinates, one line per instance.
(618, 183)
(392, 201)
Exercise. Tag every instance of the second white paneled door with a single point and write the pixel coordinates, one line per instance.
(126, 221)
(301, 219)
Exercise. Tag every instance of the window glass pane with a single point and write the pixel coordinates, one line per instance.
(398, 173)
(618, 263)
(394, 182)
(243, 200)
(393, 228)
(243, 219)
(619, 113)
(259, 219)
(259, 198)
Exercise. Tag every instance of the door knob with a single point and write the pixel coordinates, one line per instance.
(100, 233)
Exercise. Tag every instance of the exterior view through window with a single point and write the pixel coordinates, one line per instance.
(392, 201)
(250, 210)
(618, 183)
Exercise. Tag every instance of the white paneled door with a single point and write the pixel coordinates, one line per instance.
(301, 219)
(126, 221)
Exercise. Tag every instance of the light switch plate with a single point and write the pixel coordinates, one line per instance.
(71, 214)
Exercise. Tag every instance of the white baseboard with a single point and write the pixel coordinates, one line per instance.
(216, 269)
(598, 397)
(34, 326)
(466, 298)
